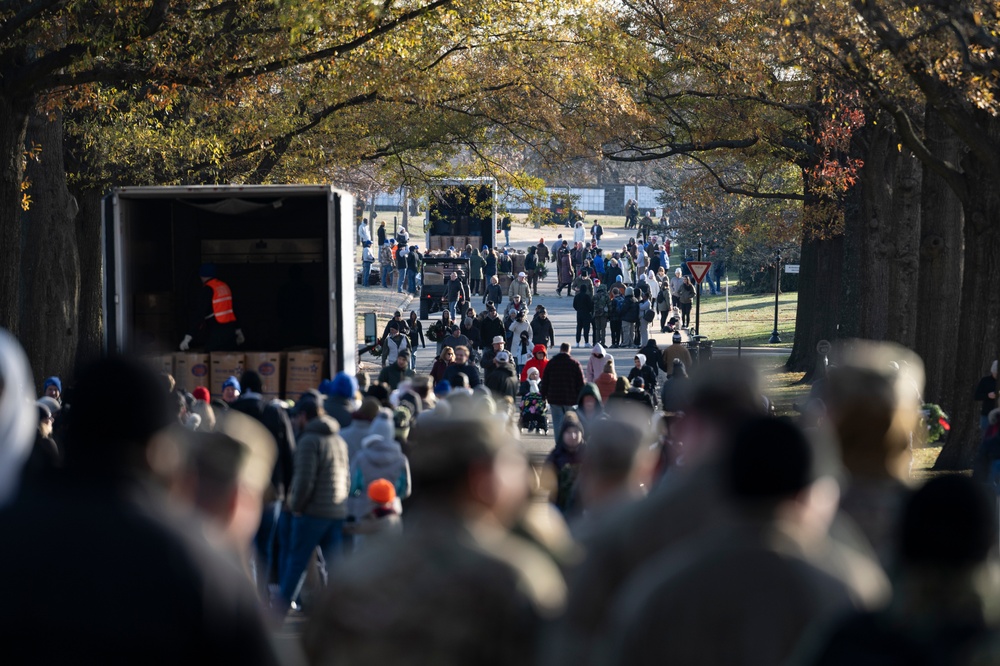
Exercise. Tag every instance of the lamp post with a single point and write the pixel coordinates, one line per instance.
(777, 277)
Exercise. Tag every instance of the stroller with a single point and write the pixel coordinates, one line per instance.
(534, 413)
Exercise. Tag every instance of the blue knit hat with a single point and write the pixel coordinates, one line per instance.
(232, 381)
(443, 387)
(342, 385)
(53, 381)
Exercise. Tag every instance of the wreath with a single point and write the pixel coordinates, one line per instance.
(436, 332)
(542, 271)
(376, 350)
(936, 422)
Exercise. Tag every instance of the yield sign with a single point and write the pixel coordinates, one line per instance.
(699, 269)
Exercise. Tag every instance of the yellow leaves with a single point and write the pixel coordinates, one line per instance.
(25, 197)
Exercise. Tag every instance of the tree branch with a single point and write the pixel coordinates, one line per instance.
(678, 149)
(755, 194)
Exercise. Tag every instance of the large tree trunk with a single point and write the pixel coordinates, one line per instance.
(904, 241)
(980, 309)
(88, 238)
(13, 125)
(50, 263)
(867, 233)
(940, 269)
(818, 311)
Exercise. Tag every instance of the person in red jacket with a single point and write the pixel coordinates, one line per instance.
(539, 359)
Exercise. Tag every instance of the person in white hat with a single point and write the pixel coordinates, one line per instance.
(490, 354)
(520, 287)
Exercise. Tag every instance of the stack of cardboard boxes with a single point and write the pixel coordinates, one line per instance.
(288, 373)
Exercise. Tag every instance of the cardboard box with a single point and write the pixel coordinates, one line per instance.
(225, 365)
(303, 371)
(191, 370)
(161, 363)
(268, 366)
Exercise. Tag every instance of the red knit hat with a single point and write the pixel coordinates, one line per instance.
(381, 491)
(201, 393)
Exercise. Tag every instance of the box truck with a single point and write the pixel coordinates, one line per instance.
(286, 252)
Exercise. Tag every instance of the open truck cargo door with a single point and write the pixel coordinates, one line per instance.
(286, 252)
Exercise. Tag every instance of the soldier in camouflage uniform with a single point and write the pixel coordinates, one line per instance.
(601, 303)
(457, 587)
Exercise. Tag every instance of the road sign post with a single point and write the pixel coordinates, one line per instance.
(699, 269)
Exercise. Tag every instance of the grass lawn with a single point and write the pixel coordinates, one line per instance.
(751, 318)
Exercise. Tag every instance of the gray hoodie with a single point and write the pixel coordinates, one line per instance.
(380, 457)
(595, 366)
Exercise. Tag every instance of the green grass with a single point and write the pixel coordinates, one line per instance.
(751, 318)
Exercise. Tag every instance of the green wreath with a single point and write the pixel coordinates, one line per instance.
(935, 420)
(542, 271)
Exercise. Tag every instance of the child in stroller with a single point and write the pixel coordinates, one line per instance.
(534, 409)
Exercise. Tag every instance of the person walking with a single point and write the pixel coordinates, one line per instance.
(602, 304)
(416, 336)
(663, 305)
(630, 317)
(520, 287)
(542, 252)
(393, 344)
(490, 265)
(615, 307)
(214, 318)
(385, 260)
(364, 236)
(646, 316)
(676, 282)
(505, 224)
(596, 231)
(367, 259)
(583, 303)
(494, 292)
(542, 332)
(413, 261)
(476, 266)
(561, 384)
(318, 496)
(457, 293)
(531, 269)
(686, 296)
(676, 351)
(401, 254)
(565, 272)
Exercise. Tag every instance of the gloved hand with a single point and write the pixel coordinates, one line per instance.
(239, 336)
(186, 343)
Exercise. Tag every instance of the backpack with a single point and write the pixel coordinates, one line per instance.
(660, 298)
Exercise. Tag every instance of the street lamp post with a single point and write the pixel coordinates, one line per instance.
(777, 277)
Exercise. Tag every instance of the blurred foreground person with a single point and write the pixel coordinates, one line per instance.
(104, 569)
(943, 611)
(690, 500)
(872, 396)
(753, 574)
(228, 472)
(457, 587)
(18, 415)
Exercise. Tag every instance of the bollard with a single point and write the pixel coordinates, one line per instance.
(739, 348)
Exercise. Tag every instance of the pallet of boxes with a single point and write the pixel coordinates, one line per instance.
(286, 374)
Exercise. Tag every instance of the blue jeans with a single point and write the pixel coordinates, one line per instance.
(451, 308)
(412, 280)
(265, 547)
(366, 269)
(308, 533)
(402, 280)
(413, 358)
(506, 236)
(558, 413)
(386, 272)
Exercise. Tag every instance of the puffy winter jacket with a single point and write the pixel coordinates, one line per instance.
(320, 480)
(380, 457)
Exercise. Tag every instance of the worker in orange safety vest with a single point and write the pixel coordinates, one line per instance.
(214, 316)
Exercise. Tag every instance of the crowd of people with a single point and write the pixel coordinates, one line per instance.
(409, 525)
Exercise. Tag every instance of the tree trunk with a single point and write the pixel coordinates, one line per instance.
(940, 269)
(88, 238)
(904, 256)
(869, 237)
(50, 263)
(979, 309)
(818, 311)
(13, 125)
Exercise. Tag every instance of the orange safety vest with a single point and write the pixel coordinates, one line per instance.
(222, 302)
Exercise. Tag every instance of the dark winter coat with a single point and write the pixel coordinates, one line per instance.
(630, 310)
(583, 303)
(562, 380)
(321, 480)
(502, 380)
(542, 332)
